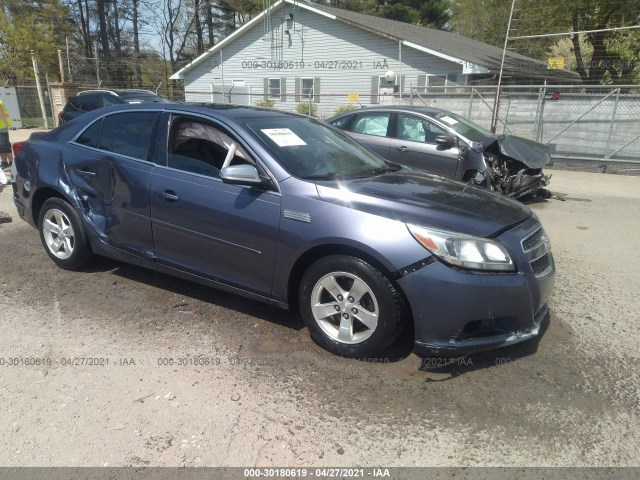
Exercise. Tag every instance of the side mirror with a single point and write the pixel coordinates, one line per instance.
(446, 140)
(241, 175)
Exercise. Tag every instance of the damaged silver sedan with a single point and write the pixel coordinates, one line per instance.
(447, 144)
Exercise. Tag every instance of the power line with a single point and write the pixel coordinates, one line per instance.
(573, 33)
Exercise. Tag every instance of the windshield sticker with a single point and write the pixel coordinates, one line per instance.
(283, 137)
(449, 120)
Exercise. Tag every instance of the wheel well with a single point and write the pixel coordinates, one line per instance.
(468, 174)
(316, 253)
(41, 196)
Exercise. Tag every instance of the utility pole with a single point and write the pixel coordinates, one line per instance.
(61, 65)
(496, 101)
(40, 97)
(66, 40)
(97, 65)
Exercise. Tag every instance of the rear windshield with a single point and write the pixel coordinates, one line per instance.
(309, 149)
(133, 97)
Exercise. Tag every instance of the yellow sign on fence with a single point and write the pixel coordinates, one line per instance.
(555, 63)
(5, 118)
(353, 97)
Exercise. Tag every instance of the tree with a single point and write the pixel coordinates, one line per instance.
(18, 22)
(428, 13)
(609, 47)
(599, 57)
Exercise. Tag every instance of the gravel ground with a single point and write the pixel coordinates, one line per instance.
(261, 393)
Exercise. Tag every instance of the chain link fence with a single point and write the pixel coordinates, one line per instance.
(598, 122)
(578, 122)
(29, 106)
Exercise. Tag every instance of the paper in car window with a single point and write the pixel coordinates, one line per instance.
(449, 120)
(283, 137)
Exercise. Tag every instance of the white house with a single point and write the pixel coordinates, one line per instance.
(297, 51)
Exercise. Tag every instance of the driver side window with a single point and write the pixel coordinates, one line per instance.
(199, 147)
(416, 129)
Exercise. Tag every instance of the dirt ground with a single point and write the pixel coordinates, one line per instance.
(247, 386)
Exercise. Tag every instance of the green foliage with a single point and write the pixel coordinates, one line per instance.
(344, 109)
(265, 103)
(40, 26)
(599, 57)
(303, 108)
(428, 13)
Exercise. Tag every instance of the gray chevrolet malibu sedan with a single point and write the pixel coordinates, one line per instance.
(283, 209)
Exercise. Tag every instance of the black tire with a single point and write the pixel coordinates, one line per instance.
(381, 298)
(73, 253)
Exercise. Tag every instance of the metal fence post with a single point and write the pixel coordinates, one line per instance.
(613, 119)
(471, 103)
(53, 118)
(541, 115)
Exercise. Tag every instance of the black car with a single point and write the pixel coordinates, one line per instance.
(450, 145)
(89, 100)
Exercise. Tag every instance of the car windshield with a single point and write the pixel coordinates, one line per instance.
(464, 127)
(311, 150)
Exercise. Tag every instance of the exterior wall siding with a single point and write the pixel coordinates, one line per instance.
(339, 57)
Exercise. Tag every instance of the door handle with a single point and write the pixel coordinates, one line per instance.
(85, 172)
(170, 196)
(403, 149)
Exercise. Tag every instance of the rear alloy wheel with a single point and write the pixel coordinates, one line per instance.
(350, 308)
(62, 234)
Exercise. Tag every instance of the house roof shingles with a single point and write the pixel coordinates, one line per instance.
(447, 44)
(451, 44)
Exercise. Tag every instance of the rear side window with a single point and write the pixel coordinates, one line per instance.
(75, 103)
(128, 133)
(91, 102)
(91, 135)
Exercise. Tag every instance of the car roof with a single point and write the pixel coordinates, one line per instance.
(221, 110)
(133, 91)
(396, 108)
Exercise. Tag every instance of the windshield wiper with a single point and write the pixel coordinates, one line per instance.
(391, 167)
(324, 176)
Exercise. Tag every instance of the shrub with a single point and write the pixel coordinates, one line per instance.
(265, 103)
(303, 108)
(344, 109)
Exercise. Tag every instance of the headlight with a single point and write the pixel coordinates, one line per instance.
(464, 250)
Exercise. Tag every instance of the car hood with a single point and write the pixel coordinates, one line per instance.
(532, 154)
(412, 196)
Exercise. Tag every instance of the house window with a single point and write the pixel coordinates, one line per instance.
(437, 81)
(307, 87)
(274, 89)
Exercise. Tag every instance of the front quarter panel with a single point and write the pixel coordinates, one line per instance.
(309, 222)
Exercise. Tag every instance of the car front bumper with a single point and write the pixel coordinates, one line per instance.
(458, 312)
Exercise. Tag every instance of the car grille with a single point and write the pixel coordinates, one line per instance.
(538, 250)
(533, 240)
(542, 265)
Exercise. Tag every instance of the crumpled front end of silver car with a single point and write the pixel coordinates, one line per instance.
(515, 166)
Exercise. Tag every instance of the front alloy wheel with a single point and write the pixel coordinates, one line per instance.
(345, 307)
(350, 307)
